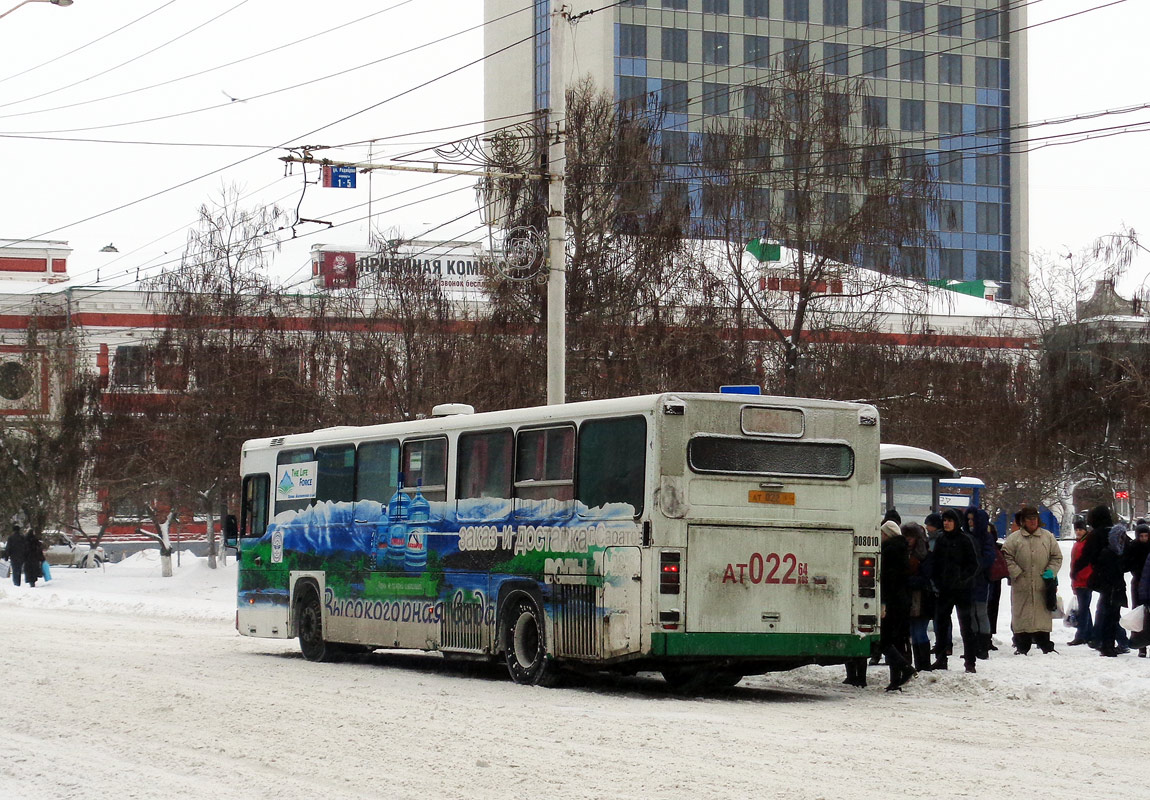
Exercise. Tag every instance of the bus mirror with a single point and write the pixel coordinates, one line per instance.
(231, 532)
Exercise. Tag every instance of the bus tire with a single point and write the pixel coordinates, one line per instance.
(525, 644)
(309, 627)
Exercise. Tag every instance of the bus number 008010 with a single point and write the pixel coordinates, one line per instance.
(866, 541)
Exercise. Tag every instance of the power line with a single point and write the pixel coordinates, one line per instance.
(155, 49)
(194, 74)
(97, 40)
(293, 87)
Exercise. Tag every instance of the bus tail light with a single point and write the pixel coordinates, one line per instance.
(867, 623)
(866, 576)
(670, 619)
(669, 574)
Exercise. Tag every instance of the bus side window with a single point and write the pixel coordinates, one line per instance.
(301, 456)
(613, 462)
(484, 465)
(254, 516)
(425, 460)
(336, 479)
(377, 471)
(545, 464)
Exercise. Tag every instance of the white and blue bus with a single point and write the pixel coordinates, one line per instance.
(705, 536)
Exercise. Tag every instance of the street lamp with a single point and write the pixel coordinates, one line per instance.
(61, 3)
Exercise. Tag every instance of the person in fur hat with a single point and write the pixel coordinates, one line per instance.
(1033, 557)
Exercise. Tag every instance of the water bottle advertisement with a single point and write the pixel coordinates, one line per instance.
(407, 559)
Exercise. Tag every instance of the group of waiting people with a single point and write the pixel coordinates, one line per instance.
(952, 562)
(25, 554)
(1099, 561)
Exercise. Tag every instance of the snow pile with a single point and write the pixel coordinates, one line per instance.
(135, 587)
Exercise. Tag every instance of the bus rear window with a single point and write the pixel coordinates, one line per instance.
(757, 457)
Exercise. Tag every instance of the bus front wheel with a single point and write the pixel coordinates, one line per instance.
(525, 644)
(309, 627)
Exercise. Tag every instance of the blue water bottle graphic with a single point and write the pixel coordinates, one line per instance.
(397, 514)
(420, 512)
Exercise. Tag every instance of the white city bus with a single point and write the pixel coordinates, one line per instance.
(706, 536)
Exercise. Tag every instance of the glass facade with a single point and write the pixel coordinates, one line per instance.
(940, 73)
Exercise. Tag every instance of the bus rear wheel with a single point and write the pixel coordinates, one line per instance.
(309, 627)
(525, 644)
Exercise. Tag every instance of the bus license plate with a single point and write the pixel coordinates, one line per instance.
(774, 498)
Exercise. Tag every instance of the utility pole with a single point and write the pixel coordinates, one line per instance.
(556, 219)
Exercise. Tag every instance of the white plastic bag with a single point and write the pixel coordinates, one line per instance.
(1134, 619)
(5, 569)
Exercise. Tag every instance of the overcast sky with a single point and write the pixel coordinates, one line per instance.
(50, 188)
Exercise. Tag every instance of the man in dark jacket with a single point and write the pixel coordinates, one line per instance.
(1109, 580)
(1100, 521)
(14, 551)
(954, 564)
(894, 569)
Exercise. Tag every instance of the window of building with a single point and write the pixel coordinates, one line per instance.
(756, 8)
(632, 41)
(950, 264)
(874, 13)
(676, 146)
(988, 265)
(545, 464)
(876, 161)
(756, 102)
(911, 65)
(756, 51)
(716, 99)
(485, 465)
(986, 24)
(915, 167)
(836, 207)
(834, 12)
(716, 6)
(986, 73)
(716, 47)
(797, 105)
(837, 109)
(130, 365)
(950, 167)
(796, 154)
(950, 216)
(836, 59)
(797, 10)
(875, 113)
(986, 170)
(950, 69)
(677, 5)
(675, 96)
(950, 118)
(674, 45)
(796, 205)
(912, 115)
(874, 61)
(988, 218)
(950, 21)
(912, 17)
(633, 90)
(757, 204)
(988, 120)
(912, 260)
(797, 54)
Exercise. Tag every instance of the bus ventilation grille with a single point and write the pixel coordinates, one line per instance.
(576, 631)
(463, 629)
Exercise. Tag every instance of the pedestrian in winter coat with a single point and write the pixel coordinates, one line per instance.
(954, 564)
(1080, 583)
(933, 525)
(921, 594)
(1109, 580)
(1032, 557)
(14, 551)
(978, 523)
(1137, 556)
(33, 557)
(894, 571)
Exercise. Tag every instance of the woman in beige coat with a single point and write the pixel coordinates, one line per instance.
(1031, 552)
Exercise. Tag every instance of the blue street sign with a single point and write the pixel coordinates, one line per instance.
(339, 177)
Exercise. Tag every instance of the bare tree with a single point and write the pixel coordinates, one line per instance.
(811, 165)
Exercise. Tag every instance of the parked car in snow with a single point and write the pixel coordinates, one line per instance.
(62, 551)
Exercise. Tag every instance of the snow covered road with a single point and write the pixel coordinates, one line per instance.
(105, 701)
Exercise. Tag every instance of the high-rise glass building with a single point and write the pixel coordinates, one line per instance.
(947, 77)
